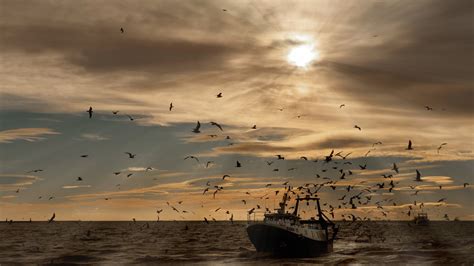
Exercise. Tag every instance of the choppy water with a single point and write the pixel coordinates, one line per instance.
(222, 243)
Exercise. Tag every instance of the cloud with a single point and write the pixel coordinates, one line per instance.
(73, 187)
(28, 134)
(11, 182)
(93, 137)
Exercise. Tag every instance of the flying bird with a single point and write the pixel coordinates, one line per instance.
(280, 157)
(217, 125)
(238, 164)
(130, 155)
(418, 176)
(196, 129)
(465, 184)
(130, 117)
(115, 112)
(441, 146)
(356, 126)
(428, 108)
(84, 156)
(171, 106)
(304, 158)
(395, 168)
(191, 157)
(52, 218)
(219, 95)
(409, 145)
(208, 163)
(223, 177)
(363, 167)
(90, 112)
(342, 105)
(79, 178)
(122, 30)
(254, 127)
(35, 171)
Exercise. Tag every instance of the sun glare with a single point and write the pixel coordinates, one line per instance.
(302, 55)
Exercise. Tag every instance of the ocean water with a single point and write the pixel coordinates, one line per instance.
(224, 243)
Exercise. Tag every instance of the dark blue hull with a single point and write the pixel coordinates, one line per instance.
(283, 243)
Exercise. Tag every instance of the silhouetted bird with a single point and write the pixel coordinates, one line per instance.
(122, 30)
(395, 168)
(219, 95)
(191, 157)
(130, 155)
(223, 177)
(90, 112)
(238, 164)
(196, 129)
(418, 176)
(280, 157)
(171, 106)
(254, 127)
(441, 146)
(52, 218)
(130, 117)
(342, 105)
(356, 126)
(409, 145)
(79, 178)
(217, 125)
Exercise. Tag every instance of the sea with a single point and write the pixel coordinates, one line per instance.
(218, 243)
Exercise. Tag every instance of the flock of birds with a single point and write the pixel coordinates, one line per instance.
(355, 195)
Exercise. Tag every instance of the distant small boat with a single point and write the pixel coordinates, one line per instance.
(422, 219)
(286, 235)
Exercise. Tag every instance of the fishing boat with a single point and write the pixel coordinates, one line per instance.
(422, 219)
(285, 234)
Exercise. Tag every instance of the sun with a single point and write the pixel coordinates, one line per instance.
(302, 55)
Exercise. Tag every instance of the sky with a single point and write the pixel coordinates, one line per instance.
(305, 73)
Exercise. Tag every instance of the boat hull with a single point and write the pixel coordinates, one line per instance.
(283, 243)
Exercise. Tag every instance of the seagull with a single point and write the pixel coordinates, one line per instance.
(205, 190)
(270, 162)
(148, 168)
(18, 191)
(35, 171)
(115, 112)
(223, 177)
(342, 105)
(363, 167)
(356, 126)
(52, 218)
(442, 200)
(129, 175)
(84, 156)
(238, 164)
(196, 129)
(428, 108)
(409, 145)
(171, 106)
(245, 202)
(131, 155)
(377, 143)
(191, 157)
(395, 168)
(225, 10)
(304, 158)
(418, 176)
(122, 30)
(130, 117)
(79, 178)
(90, 112)
(465, 184)
(254, 127)
(280, 157)
(219, 95)
(217, 125)
(441, 146)
(117, 173)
